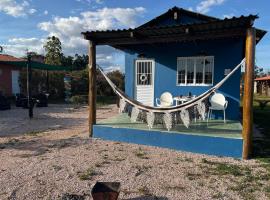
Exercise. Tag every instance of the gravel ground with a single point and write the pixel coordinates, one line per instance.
(51, 157)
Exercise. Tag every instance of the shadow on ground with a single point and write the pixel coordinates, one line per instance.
(38, 147)
(148, 198)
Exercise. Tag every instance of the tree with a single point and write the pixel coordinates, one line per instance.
(38, 78)
(53, 49)
(80, 62)
(53, 56)
(258, 71)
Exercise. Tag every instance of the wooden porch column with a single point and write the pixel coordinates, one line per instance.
(248, 92)
(92, 87)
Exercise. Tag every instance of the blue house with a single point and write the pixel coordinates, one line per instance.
(182, 52)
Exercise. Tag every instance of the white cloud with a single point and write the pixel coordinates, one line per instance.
(46, 12)
(32, 11)
(69, 30)
(205, 5)
(112, 68)
(15, 9)
(190, 9)
(91, 1)
(228, 15)
(99, 1)
(19, 46)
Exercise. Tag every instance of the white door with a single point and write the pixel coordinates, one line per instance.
(144, 81)
(15, 81)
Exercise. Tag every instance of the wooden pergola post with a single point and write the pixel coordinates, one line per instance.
(92, 87)
(248, 92)
(29, 87)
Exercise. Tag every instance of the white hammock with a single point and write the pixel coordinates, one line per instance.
(167, 112)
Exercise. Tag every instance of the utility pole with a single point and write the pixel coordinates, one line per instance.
(29, 87)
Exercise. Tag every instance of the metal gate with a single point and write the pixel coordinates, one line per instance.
(144, 81)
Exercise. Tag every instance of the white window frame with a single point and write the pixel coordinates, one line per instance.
(194, 78)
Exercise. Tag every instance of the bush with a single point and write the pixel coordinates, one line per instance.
(79, 99)
(39, 79)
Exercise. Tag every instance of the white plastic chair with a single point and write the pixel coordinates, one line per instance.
(165, 100)
(218, 102)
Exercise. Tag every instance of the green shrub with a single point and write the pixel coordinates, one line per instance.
(78, 99)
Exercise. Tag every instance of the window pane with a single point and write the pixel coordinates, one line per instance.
(208, 77)
(199, 70)
(190, 70)
(181, 63)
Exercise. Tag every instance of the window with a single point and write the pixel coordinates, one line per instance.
(195, 70)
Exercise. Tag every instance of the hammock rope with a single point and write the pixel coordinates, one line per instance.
(168, 112)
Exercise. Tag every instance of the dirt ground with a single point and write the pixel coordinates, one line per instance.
(51, 157)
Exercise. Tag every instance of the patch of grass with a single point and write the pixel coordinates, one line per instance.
(201, 183)
(41, 151)
(117, 143)
(267, 190)
(127, 192)
(72, 197)
(193, 176)
(98, 165)
(244, 182)
(218, 168)
(102, 150)
(25, 155)
(175, 187)
(63, 144)
(184, 159)
(33, 133)
(118, 159)
(87, 175)
(57, 167)
(141, 154)
(13, 142)
(142, 169)
(106, 156)
(218, 195)
(105, 162)
(144, 190)
(245, 189)
(120, 149)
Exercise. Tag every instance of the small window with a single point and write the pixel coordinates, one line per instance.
(195, 70)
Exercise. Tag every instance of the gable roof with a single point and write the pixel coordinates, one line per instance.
(179, 11)
(5, 57)
(234, 27)
(156, 31)
(22, 63)
(265, 78)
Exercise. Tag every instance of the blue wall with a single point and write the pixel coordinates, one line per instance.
(218, 146)
(183, 19)
(227, 54)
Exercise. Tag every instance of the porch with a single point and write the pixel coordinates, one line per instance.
(213, 138)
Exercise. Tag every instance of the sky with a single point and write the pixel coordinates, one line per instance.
(25, 24)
